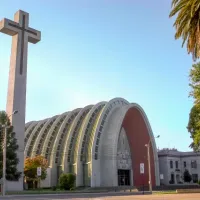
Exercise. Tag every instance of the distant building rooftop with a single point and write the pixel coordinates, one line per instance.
(175, 153)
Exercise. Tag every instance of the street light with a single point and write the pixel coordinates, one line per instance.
(149, 162)
(4, 152)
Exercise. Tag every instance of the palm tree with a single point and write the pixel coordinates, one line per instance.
(187, 24)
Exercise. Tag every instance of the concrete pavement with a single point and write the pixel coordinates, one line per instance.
(106, 196)
(69, 196)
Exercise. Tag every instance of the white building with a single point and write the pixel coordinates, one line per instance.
(173, 163)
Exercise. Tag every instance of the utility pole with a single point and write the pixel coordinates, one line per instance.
(4, 160)
(4, 153)
(149, 162)
(149, 167)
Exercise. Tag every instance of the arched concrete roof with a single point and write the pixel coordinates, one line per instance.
(110, 106)
(32, 137)
(50, 139)
(29, 130)
(27, 125)
(108, 146)
(77, 136)
(73, 133)
(83, 140)
(60, 139)
(85, 135)
(37, 148)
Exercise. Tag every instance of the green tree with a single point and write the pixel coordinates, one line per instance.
(186, 176)
(187, 24)
(31, 165)
(12, 173)
(194, 118)
(195, 82)
(194, 127)
(67, 181)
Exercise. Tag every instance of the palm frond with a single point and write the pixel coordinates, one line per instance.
(187, 24)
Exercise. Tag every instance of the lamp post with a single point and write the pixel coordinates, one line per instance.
(149, 162)
(4, 153)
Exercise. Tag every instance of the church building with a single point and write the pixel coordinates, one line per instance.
(102, 144)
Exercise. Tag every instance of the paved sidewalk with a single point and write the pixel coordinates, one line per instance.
(106, 196)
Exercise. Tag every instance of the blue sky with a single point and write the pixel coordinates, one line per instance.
(97, 50)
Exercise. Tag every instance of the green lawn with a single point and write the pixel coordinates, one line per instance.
(165, 192)
(50, 191)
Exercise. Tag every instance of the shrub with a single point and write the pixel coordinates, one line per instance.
(186, 176)
(199, 182)
(67, 181)
(54, 188)
(73, 188)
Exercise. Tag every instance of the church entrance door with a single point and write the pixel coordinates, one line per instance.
(123, 177)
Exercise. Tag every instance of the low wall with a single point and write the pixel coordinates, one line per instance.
(14, 185)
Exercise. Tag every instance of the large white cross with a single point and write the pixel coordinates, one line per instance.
(16, 99)
(20, 27)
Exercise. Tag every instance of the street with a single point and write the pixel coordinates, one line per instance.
(107, 196)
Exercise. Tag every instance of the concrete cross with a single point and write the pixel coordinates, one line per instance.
(20, 27)
(21, 34)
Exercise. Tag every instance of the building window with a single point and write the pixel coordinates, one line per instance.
(195, 178)
(176, 164)
(172, 181)
(194, 164)
(184, 164)
(171, 164)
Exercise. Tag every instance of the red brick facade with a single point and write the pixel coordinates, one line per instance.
(138, 136)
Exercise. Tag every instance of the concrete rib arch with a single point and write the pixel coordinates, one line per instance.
(58, 145)
(116, 102)
(29, 130)
(41, 136)
(111, 145)
(32, 138)
(27, 125)
(83, 140)
(59, 138)
(49, 140)
(70, 139)
(95, 162)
